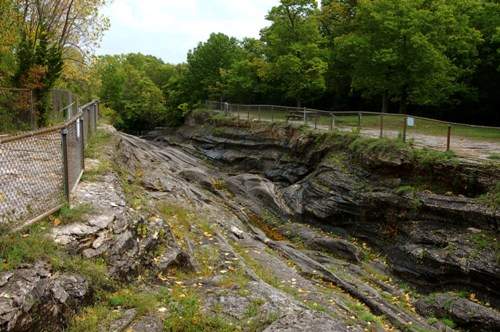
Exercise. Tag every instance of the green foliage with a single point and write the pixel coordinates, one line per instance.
(40, 64)
(141, 91)
(411, 50)
(449, 322)
(207, 62)
(294, 49)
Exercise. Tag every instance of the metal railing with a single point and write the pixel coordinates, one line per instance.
(435, 134)
(40, 169)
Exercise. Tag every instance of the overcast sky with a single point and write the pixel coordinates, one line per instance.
(169, 28)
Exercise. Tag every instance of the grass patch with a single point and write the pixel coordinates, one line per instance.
(449, 322)
(494, 156)
(380, 147)
(92, 319)
(69, 215)
(34, 244)
(185, 314)
(363, 314)
(97, 143)
(93, 174)
(492, 198)
(27, 246)
(99, 316)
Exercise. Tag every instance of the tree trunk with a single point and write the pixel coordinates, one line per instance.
(384, 102)
(403, 104)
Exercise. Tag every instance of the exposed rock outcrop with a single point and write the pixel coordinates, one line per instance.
(34, 298)
(463, 312)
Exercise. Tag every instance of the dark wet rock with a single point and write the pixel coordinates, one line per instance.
(259, 192)
(316, 240)
(465, 313)
(345, 196)
(434, 256)
(306, 321)
(34, 298)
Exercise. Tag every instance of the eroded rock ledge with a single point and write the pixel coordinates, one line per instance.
(436, 240)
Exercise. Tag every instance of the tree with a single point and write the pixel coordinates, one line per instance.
(294, 50)
(8, 39)
(413, 51)
(48, 29)
(206, 64)
(143, 103)
(246, 80)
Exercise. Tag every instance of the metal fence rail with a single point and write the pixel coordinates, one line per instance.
(436, 134)
(38, 170)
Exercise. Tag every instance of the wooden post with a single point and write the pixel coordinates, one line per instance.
(405, 127)
(305, 116)
(248, 115)
(64, 141)
(332, 123)
(316, 121)
(448, 140)
(381, 125)
(359, 120)
(272, 113)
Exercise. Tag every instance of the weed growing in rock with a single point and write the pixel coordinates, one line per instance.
(185, 314)
(69, 215)
(97, 143)
(491, 198)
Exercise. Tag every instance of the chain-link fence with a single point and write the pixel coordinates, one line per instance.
(39, 170)
(465, 140)
(16, 110)
(20, 109)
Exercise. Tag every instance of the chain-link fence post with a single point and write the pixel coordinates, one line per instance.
(64, 142)
(405, 128)
(448, 139)
(381, 125)
(82, 141)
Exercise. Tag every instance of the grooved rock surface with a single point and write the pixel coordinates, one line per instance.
(465, 313)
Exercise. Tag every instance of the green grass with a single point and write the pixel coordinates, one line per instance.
(391, 122)
(69, 215)
(491, 198)
(28, 246)
(494, 156)
(449, 322)
(185, 315)
(97, 143)
(34, 244)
